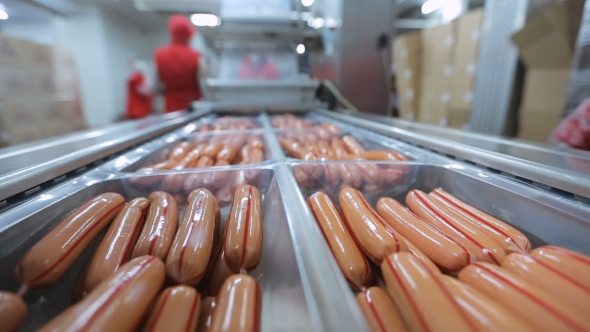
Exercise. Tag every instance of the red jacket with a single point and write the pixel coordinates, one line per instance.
(138, 105)
(178, 66)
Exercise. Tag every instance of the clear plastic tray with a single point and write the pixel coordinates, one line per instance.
(284, 304)
(228, 118)
(161, 153)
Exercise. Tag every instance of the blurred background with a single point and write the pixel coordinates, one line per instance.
(495, 67)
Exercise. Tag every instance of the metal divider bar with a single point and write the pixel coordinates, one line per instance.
(327, 294)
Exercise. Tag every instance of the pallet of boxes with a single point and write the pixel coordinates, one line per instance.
(435, 71)
(39, 92)
(546, 45)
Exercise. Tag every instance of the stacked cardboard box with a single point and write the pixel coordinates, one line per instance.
(464, 68)
(437, 70)
(407, 52)
(39, 91)
(546, 45)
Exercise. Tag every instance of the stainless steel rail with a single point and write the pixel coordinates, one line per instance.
(567, 171)
(25, 167)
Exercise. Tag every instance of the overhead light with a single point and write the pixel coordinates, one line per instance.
(300, 49)
(307, 3)
(3, 13)
(316, 23)
(432, 5)
(205, 20)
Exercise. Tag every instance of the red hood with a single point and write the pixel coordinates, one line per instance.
(181, 30)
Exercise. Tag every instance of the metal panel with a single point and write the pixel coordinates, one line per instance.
(493, 103)
(579, 87)
(364, 78)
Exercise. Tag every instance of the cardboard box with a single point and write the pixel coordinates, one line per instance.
(438, 46)
(458, 118)
(536, 125)
(434, 100)
(545, 90)
(407, 59)
(12, 51)
(467, 46)
(15, 82)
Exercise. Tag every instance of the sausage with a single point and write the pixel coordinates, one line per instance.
(391, 175)
(218, 272)
(443, 250)
(228, 153)
(255, 142)
(210, 180)
(569, 262)
(180, 151)
(115, 248)
(383, 155)
(507, 236)
(349, 257)
(224, 195)
(421, 297)
(339, 149)
(350, 174)
(177, 309)
(175, 182)
(50, 258)
(189, 254)
(332, 129)
(160, 226)
(237, 306)
(379, 311)
(243, 233)
(479, 245)
(207, 307)
(12, 311)
(373, 235)
(488, 315)
(118, 303)
(529, 302)
(212, 149)
(550, 279)
(412, 249)
(352, 146)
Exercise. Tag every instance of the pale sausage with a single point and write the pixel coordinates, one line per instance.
(352, 146)
(177, 309)
(380, 311)
(237, 306)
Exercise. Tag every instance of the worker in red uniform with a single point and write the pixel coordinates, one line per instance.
(139, 96)
(178, 66)
(258, 67)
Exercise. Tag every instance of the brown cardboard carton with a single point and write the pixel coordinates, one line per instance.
(12, 51)
(545, 90)
(434, 100)
(38, 56)
(15, 82)
(462, 91)
(467, 46)
(438, 50)
(407, 59)
(458, 118)
(536, 125)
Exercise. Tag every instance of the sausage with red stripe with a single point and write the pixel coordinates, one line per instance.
(243, 233)
(177, 309)
(118, 303)
(191, 249)
(412, 249)
(218, 272)
(160, 226)
(482, 247)
(529, 302)
(488, 315)
(569, 262)
(421, 297)
(550, 279)
(349, 257)
(373, 235)
(115, 248)
(383, 155)
(439, 247)
(207, 307)
(237, 306)
(12, 311)
(228, 153)
(507, 236)
(380, 311)
(49, 259)
(180, 151)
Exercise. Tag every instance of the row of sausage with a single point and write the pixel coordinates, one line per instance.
(228, 122)
(145, 245)
(501, 284)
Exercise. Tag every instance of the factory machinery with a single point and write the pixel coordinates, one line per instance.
(543, 192)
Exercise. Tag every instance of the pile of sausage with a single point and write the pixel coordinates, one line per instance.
(447, 266)
(231, 149)
(228, 123)
(143, 246)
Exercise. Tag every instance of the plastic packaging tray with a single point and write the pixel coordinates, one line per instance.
(284, 304)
